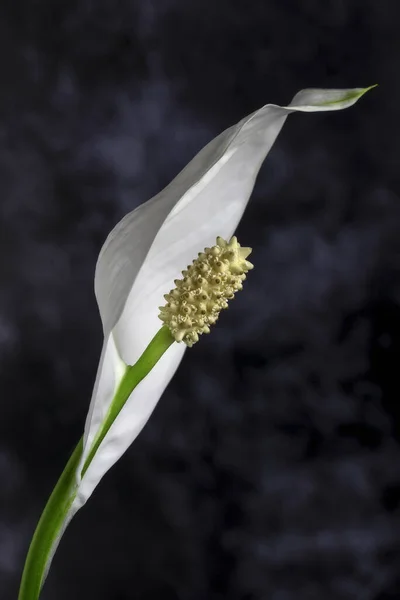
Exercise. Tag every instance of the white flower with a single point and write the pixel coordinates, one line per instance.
(142, 257)
(147, 250)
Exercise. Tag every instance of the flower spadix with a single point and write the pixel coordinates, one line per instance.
(204, 290)
(144, 254)
(138, 263)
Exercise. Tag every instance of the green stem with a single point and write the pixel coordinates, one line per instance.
(48, 527)
(64, 493)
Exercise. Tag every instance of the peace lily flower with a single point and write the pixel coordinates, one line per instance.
(137, 265)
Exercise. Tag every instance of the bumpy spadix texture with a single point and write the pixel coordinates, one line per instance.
(208, 283)
(144, 254)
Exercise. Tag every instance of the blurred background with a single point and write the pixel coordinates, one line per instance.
(271, 466)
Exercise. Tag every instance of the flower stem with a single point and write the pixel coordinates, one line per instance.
(48, 527)
(55, 515)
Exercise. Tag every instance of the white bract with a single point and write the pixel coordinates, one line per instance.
(148, 249)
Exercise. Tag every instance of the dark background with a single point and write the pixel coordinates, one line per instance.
(271, 467)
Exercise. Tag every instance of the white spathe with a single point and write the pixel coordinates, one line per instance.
(148, 249)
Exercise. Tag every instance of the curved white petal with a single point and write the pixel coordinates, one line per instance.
(147, 250)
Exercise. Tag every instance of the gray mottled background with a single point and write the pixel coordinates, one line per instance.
(271, 467)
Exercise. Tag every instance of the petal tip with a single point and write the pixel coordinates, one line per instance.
(314, 99)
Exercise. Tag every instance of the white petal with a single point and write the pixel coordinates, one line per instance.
(150, 246)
